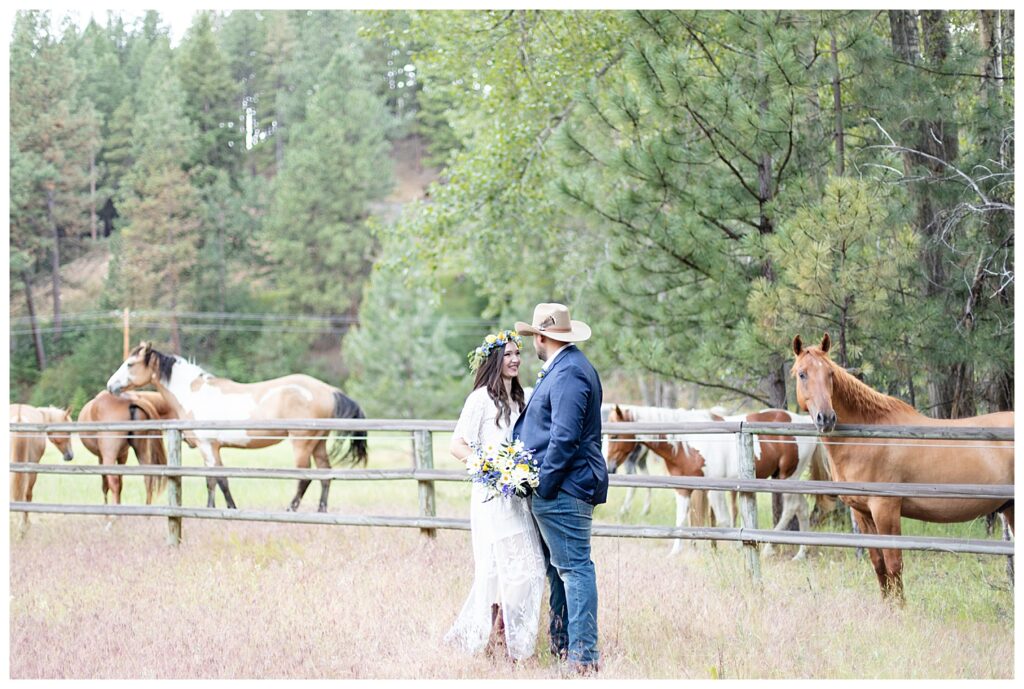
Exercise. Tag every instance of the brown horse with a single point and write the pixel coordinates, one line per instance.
(112, 446)
(195, 394)
(832, 395)
(29, 447)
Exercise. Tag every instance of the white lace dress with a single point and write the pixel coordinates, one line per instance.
(508, 560)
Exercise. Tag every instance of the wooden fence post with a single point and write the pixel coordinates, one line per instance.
(174, 485)
(748, 502)
(423, 449)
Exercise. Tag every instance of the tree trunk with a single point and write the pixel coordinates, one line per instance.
(37, 338)
(1000, 393)
(939, 139)
(55, 265)
(992, 50)
(776, 382)
(93, 220)
(645, 390)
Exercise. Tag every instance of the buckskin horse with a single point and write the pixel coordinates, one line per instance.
(195, 394)
(29, 447)
(831, 395)
(112, 446)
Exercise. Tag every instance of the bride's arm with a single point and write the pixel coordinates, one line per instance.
(467, 428)
(459, 449)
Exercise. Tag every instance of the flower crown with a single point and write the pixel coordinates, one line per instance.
(490, 343)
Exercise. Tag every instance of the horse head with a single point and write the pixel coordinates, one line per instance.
(60, 439)
(144, 366)
(813, 370)
(620, 447)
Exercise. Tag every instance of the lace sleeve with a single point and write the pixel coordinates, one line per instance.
(471, 419)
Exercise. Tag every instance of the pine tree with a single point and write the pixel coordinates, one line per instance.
(58, 130)
(160, 234)
(212, 103)
(335, 166)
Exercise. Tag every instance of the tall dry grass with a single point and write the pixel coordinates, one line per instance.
(290, 601)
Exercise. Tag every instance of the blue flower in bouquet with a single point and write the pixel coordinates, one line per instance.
(505, 470)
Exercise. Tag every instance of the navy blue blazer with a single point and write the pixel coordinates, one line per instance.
(562, 425)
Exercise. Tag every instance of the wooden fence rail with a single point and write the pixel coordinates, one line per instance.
(758, 485)
(425, 475)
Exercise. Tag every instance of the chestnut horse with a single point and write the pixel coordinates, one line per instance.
(832, 395)
(195, 394)
(112, 446)
(29, 447)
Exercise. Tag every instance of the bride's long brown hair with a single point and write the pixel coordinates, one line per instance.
(489, 376)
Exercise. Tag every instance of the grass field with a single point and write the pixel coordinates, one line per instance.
(291, 601)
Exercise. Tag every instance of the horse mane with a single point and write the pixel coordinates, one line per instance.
(658, 414)
(861, 396)
(55, 414)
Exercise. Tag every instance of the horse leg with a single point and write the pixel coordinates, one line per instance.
(1006, 517)
(630, 467)
(885, 512)
(787, 510)
(19, 483)
(682, 516)
(322, 462)
(211, 458)
(862, 520)
(641, 466)
(301, 451)
(30, 482)
(138, 444)
(803, 518)
(720, 509)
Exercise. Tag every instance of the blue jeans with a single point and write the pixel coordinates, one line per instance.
(564, 524)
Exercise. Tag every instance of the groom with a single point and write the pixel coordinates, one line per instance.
(562, 425)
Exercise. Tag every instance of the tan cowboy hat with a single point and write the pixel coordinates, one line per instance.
(552, 320)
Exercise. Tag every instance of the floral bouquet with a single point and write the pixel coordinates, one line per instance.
(506, 470)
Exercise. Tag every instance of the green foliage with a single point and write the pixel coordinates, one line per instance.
(75, 379)
(160, 206)
(335, 166)
(847, 280)
(399, 358)
(211, 103)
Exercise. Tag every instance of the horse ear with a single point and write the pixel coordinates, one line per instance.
(826, 342)
(798, 346)
(618, 411)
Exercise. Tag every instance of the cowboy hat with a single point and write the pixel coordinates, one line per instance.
(552, 320)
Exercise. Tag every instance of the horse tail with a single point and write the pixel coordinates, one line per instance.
(699, 508)
(346, 408)
(18, 454)
(153, 451)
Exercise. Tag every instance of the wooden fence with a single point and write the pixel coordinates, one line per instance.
(423, 472)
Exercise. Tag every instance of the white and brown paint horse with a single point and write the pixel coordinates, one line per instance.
(195, 394)
(783, 457)
(633, 463)
(779, 457)
(832, 396)
(30, 447)
(112, 446)
(680, 460)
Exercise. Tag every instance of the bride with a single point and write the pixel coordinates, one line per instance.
(503, 606)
